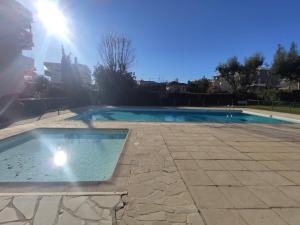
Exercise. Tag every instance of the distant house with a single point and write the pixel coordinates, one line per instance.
(262, 76)
(53, 70)
(261, 82)
(152, 86)
(265, 79)
(176, 87)
(286, 85)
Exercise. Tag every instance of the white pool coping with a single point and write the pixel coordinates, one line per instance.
(272, 116)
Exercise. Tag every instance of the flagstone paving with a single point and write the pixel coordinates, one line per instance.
(177, 174)
(59, 210)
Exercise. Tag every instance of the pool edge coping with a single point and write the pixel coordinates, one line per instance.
(292, 120)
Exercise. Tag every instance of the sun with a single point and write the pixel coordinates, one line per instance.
(52, 18)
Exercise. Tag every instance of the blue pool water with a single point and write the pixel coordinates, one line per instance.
(61, 155)
(174, 115)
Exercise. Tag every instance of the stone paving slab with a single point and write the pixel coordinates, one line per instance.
(60, 209)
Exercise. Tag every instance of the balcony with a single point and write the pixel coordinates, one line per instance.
(18, 33)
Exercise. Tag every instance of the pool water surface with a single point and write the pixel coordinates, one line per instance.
(174, 115)
(61, 155)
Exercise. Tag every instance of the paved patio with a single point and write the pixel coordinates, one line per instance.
(184, 174)
(49, 209)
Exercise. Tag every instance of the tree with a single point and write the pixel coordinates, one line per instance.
(114, 81)
(287, 64)
(41, 86)
(293, 64)
(229, 71)
(249, 71)
(114, 87)
(279, 62)
(117, 52)
(241, 76)
(198, 86)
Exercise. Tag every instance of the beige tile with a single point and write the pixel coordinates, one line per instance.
(266, 156)
(122, 171)
(209, 165)
(186, 164)
(273, 178)
(273, 197)
(253, 165)
(269, 149)
(224, 155)
(222, 148)
(274, 165)
(175, 148)
(222, 217)
(231, 165)
(293, 192)
(261, 217)
(222, 178)
(195, 148)
(198, 177)
(200, 155)
(248, 178)
(293, 176)
(265, 144)
(181, 155)
(193, 218)
(209, 197)
(242, 197)
(291, 215)
(291, 156)
(292, 164)
(215, 143)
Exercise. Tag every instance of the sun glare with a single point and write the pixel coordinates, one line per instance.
(60, 158)
(52, 18)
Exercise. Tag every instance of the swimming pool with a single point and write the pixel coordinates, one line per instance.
(173, 115)
(61, 155)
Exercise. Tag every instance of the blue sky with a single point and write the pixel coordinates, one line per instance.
(182, 39)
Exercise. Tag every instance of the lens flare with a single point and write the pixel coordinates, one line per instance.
(52, 18)
(60, 158)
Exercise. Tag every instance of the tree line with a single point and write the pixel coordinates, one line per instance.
(114, 79)
(240, 76)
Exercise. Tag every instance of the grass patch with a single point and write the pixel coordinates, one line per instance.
(277, 108)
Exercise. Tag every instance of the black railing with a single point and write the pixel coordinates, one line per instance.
(43, 105)
(274, 105)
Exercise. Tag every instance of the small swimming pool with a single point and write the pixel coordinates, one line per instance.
(173, 115)
(61, 155)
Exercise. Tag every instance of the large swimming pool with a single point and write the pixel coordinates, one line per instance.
(173, 115)
(61, 155)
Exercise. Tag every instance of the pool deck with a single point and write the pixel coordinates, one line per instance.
(174, 174)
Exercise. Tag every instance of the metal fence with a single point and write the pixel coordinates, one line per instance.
(43, 105)
(292, 107)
